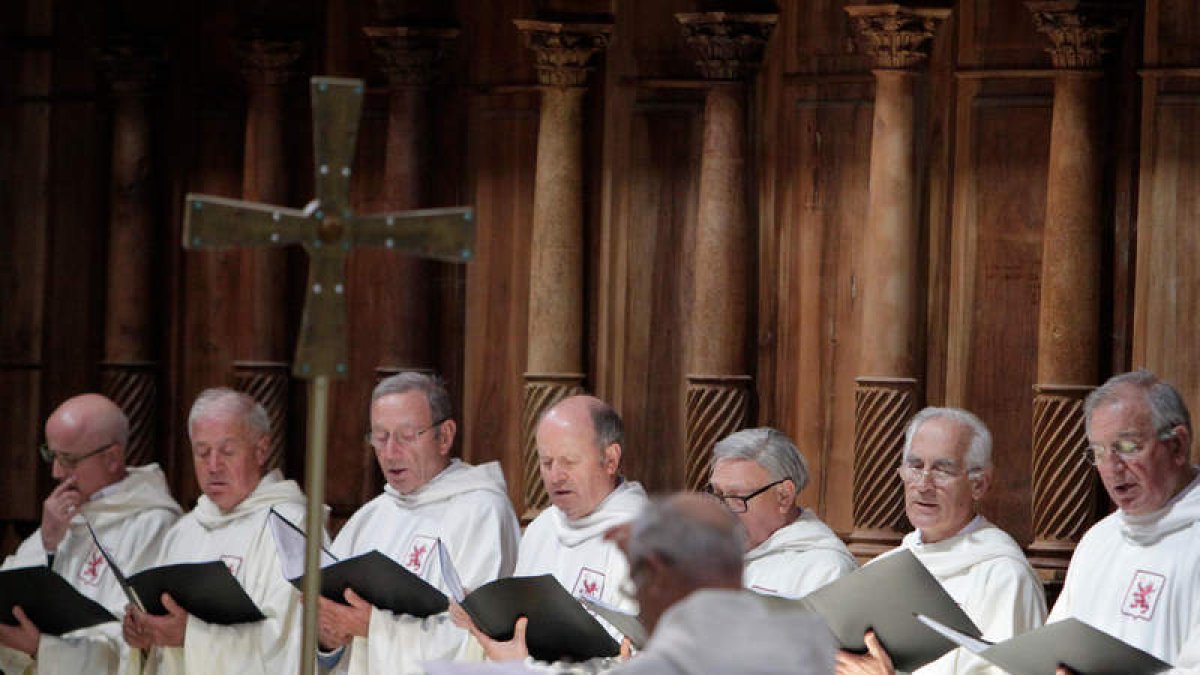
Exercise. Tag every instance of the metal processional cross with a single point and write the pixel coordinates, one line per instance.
(327, 229)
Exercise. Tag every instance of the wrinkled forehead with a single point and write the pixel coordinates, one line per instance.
(939, 442)
(1124, 416)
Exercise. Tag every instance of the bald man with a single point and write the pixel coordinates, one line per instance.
(130, 509)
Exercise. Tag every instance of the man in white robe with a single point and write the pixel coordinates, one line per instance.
(230, 438)
(1136, 574)
(129, 508)
(579, 445)
(428, 497)
(757, 474)
(688, 553)
(946, 469)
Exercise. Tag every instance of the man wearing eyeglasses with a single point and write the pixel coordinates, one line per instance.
(428, 497)
(757, 474)
(946, 469)
(129, 508)
(1136, 573)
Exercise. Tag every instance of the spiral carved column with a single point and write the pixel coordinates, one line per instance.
(898, 39)
(554, 366)
(1069, 330)
(730, 50)
(267, 382)
(129, 373)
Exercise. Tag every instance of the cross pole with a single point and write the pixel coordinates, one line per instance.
(328, 230)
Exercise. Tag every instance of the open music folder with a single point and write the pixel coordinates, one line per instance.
(50, 602)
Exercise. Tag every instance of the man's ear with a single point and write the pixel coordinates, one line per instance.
(1184, 453)
(786, 493)
(612, 459)
(262, 450)
(446, 434)
(980, 484)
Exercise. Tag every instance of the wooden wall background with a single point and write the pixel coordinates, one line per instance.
(986, 125)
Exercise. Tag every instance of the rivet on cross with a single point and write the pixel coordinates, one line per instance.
(328, 230)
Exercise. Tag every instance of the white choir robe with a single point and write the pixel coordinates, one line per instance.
(467, 507)
(987, 574)
(1138, 578)
(797, 559)
(577, 554)
(242, 540)
(130, 517)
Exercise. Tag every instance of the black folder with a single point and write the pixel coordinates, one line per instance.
(1082, 648)
(381, 581)
(206, 590)
(885, 596)
(559, 627)
(50, 602)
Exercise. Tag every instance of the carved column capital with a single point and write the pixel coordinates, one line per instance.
(1079, 31)
(130, 66)
(564, 51)
(896, 36)
(268, 61)
(730, 46)
(409, 55)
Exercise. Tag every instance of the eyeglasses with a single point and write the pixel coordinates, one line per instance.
(941, 475)
(741, 503)
(69, 461)
(379, 439)
(1123, 449)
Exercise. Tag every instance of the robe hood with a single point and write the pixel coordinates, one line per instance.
(978, 542)
(620, 506)
(454, 480)
(272, 490)
(1181, 511)
(143, 487)
(806, 533)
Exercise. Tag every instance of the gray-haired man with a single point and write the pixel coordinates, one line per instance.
(758, 474)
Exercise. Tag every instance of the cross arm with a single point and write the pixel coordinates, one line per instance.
(218, 222)
(445, 234)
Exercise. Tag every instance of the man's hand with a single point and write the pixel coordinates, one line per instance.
(1063, 670)
(512, 650)
(144, 630)
(57, 511)
(22, 637)
(875, 662)
(338, 624)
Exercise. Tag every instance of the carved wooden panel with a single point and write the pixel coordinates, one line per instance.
(1003, 150)
(883, 407)
(134, 387)
(268, 383)
(823, 156)
(1064, 484)
(716, 407)
(541, 392)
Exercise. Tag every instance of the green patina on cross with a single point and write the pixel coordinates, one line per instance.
(327, 228)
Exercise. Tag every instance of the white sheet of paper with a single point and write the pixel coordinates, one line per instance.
(450, 573)
(289, 544)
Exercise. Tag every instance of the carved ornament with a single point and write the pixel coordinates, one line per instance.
(564, 52)
(409, 55)
(896, 36)
(267, 61)
(730, 46)
(1079, 31)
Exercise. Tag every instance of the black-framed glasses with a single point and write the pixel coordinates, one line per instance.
(741, 503)
(379, 439)
(69, 461)
(1122, 448)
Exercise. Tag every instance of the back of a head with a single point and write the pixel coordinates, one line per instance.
(769, 448)
(701, 540)
(979, 449)
(1167, 407)
(432, 386)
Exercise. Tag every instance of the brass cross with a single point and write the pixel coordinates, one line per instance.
(327, 229)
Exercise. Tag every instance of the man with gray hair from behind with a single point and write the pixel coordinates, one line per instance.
(685, 560)
(758, 474)
(946, 469)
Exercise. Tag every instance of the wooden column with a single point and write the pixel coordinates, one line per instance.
(717, 361)
(263, 351)
(402, 285)
(130, 370)
(887, 392)
(554, 368)
(1069, 331)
